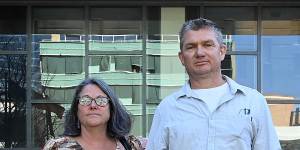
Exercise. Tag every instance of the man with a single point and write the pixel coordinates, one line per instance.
(211, 111)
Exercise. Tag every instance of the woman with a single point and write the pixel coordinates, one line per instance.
(96, 120)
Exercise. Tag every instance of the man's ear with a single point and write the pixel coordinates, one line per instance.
(223, 50)
(181, 57)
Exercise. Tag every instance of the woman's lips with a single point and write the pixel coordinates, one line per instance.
(93, 115)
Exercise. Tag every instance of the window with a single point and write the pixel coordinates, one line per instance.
(12, 101)
(280, 65)
(58, 47)
(74, 65)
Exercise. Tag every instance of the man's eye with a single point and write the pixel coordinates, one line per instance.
(189, 47)
(208, 45)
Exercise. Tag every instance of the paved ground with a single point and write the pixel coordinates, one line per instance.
(289, 137)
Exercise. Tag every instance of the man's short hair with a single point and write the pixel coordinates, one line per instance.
(197, 24)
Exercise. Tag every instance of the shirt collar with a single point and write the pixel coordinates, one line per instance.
(234, 88)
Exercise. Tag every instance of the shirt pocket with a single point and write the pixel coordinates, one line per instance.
(188, 134)
(234, 131)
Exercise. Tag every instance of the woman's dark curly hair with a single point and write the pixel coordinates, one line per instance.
(119, 123)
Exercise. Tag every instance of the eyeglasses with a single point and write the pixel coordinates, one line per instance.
(87, 100)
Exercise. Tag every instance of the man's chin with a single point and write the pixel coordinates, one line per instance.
(202, 72)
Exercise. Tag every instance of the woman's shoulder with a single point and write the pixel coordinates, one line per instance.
(137, 143)
(61, 142)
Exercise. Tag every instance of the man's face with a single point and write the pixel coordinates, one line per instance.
(201, 53)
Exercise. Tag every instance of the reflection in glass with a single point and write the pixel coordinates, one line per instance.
(238, 25)
(115, 63)
(13, 28)
(13, 42)
(280, 51)
(57, 67)
(57, 63)
(280, 69)
(281, 65)
(165, 73)
(115, 42)
(241, 68)
(12, 101)
(58, 52)
(48, 121)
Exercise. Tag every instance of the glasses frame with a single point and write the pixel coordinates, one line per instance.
(87, 100)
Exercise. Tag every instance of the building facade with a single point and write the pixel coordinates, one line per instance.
(48, 47)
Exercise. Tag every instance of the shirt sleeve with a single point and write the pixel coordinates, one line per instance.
(157, 136)
(266, 137)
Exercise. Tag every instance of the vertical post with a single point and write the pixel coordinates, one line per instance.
(297, 117)
(144, 71)
(259, 26)
(86, 40)
(291, 118)
(29, 134)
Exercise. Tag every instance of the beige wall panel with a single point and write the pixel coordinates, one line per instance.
(172, 19)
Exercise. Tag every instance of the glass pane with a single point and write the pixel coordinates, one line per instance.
(116, 42)
(192, 12)
(58, 52)
(115, 63)
(241, 68)
(116, 29)
(123, 74)
(280, 52)
(12, 28)
(12, 101)
(47, 121)
(280, 69)
(165, 73)
(238, 24)
(74, 65)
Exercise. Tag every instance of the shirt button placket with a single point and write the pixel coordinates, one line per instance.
(211, 133)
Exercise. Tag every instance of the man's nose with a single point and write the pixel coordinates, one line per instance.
(199, 51)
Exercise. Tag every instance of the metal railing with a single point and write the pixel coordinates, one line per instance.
(123, 38)
(116, 38)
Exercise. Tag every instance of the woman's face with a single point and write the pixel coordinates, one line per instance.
(93, 114)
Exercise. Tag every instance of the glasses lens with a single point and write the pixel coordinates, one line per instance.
(101, 101)
(85, 100)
